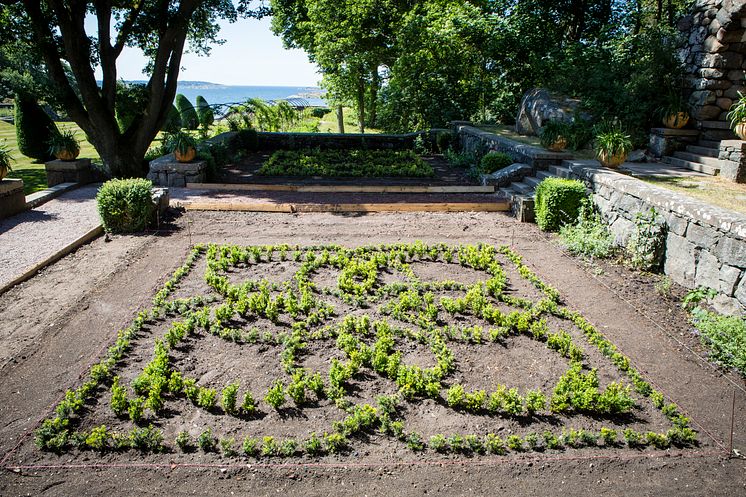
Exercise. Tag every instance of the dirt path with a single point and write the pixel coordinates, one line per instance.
(54, 325)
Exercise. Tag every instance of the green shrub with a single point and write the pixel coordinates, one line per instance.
(350, 163)
(590, 236)
(558, 202)
(187, 112)
(173, 121)
(34, 128)
(494, 161)
(443, 141)
(125, 205)
(725, 336)
(647, 244)
(131, 101)
(245, 140)
(319, 112)
(205, 113)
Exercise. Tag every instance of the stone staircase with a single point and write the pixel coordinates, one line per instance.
(703, 156)
(522, 194)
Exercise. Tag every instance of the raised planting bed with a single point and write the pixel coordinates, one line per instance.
(346, 163)
(307, 352)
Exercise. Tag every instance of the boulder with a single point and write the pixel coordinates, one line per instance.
(540, 105)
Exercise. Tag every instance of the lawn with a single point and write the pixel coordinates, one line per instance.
(510, 133)
(32, 173)
(712, 189)
(281, 351)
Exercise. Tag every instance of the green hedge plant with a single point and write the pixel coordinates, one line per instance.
(494, 161)
(558, 202)
(188, 113)
(125, 205)
(34, 128)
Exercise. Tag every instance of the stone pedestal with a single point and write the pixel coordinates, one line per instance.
(733, 160)
(12, 199)
(665, 141)
(73, 171)
(167, 171)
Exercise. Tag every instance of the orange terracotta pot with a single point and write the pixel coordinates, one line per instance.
(559, 145)
(66, 155)
(3, 171)
(740, 130)
(612, 162)
(676, 121)
(187, 156)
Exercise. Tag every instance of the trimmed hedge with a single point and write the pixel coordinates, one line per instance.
(131, 101)
(558, 202)
(494, 161)
(125, 205)
(173, 121)
(204, 112)
(34, 128)
(188, 113)
(245, 140)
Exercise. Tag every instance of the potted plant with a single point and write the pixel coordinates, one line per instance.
(674, 113)
(554, 135)
(5, 160)
(183, 145)
(612, 146)
(64, 145)
(737, 116)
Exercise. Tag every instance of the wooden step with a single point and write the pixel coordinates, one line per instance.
(704, 151)
(693, 166)
(700, 159)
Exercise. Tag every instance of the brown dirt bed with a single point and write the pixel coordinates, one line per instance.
(110, 282)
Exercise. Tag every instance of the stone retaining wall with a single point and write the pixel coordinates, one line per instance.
(705, 245)
(474, 140)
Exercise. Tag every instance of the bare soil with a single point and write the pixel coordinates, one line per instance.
(79, 303)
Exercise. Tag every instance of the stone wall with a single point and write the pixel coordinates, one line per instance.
(474, 140)
(715, 55)
(705, 245)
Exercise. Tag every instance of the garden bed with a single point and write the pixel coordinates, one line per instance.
(294, 352)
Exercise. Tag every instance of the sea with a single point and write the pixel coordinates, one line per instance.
(309, 96)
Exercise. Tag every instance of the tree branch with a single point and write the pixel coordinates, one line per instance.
(126, 28)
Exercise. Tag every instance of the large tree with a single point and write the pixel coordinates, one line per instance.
(55, 32)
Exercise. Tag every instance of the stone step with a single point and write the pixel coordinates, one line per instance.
(560, 171)
(694, 166)
(700, 159)
(544, 175)
(532, 181)
(714, 125)
(709, 143)
(704, 151)
(523, 188)
(718, 134)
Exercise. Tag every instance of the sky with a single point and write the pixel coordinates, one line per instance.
(251, 56)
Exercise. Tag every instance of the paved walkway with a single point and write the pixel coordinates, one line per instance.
(658, 169)
(31, 237)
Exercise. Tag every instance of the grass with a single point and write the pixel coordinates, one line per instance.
(31, 172)
(328, 123)
(712, 189)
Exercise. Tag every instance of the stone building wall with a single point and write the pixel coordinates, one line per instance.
(715, 56)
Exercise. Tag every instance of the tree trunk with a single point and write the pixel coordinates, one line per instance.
(341, 119)
(361, 103)
(374, 85)
(120, 156)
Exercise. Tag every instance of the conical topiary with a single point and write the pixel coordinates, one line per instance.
(204, 112)
(34, 128)
(173, 121)
(189, 119)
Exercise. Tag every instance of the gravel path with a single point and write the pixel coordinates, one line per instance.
(32, 236)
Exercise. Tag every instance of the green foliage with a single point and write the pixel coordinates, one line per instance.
(173, 121)
(205, 113)
(125, 205)
(553, 131)
(459, 159)
(494, 161)
(737, 113)
(148, 439)
(131, 101)
(589, 236)
(248, 405)
(206, 441)
(724, 336)
(119, 402)
(275, 397)
(558, 202)
(184, 441)
(579, 391)
(34, 128)
(647, 243)
(187, 112)
(228, 398)
(64, 141)
(179, 141)
(207, 398)
(612, 141)
(6, 158)
(350, 163)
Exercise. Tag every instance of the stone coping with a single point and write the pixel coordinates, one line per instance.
(68, 165)
(516, 146)
(724, 220)
(10, 186)
(168, 163)
(674, 132)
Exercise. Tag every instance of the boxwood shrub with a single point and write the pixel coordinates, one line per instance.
(125, 205)
(558, 202)
(494, 161)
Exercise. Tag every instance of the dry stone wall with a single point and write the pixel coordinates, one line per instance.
(715, 55)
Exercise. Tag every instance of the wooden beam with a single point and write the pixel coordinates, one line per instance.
(383, 207)
(344, 188)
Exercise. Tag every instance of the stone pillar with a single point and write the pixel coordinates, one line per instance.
(73, 171)
(12, 199)
(733, 157)
(715, 56)
(167, 171)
